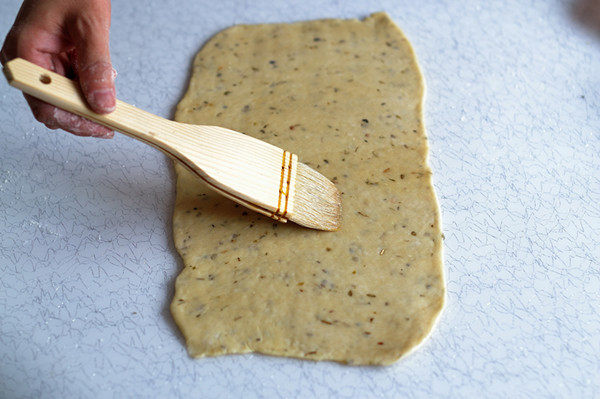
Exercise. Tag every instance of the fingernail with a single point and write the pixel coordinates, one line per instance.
(103, 100)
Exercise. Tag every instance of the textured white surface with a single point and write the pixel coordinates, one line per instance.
(513, 114)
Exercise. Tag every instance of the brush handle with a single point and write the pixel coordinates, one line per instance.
(65, 93)
(193, 146)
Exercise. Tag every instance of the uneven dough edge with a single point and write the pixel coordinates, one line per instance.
(439, 248)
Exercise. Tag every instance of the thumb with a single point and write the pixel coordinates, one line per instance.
(92, 61)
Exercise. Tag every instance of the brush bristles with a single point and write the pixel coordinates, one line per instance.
(317, 202)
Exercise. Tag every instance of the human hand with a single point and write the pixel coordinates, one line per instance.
(69, 37)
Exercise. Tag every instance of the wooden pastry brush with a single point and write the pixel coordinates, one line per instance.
(256, 174)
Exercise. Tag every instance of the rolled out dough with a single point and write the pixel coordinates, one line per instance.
(346, 96)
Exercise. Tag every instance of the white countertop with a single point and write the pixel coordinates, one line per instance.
(87, 264)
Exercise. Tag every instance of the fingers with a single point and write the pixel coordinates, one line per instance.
(45, 33)
(90, 34)
(28, 47)
(56, 118)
